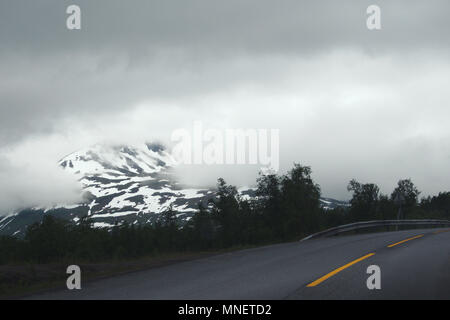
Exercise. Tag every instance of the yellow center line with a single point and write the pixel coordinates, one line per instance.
(394, 244)
(332, 273)
(437, 232)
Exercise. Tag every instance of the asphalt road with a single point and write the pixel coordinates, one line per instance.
(415, 269)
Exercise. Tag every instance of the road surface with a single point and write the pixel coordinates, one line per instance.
(328, 268)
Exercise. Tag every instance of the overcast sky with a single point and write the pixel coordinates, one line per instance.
(351, 103)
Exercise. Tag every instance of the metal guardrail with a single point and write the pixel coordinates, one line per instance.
(374, 224)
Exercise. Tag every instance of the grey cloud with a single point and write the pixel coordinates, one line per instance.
(217, 26)
(143, 68)
(128, 52)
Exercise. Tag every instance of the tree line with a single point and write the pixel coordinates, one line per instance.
(285, 208)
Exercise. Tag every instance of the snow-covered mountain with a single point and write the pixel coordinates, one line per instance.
(124, 183)
(121, 181)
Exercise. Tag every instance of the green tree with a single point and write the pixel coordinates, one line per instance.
(409, 191)
(203, 228)
(48, 240)
(364, 200)
(269, 205)
(301, 202)
(438, 206)
(225, 210)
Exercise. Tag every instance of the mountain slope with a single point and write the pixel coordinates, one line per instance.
(124, 183)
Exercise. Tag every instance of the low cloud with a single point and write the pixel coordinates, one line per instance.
(29, 179)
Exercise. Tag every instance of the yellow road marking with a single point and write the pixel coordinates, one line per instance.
(332, 273)
(441, 231)
(394, 244)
